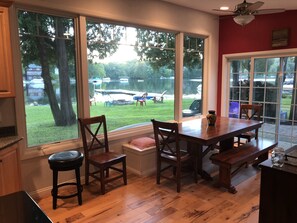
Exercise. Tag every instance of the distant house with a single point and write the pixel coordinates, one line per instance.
(32, 72)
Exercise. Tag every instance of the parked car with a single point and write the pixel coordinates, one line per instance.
(194, 109)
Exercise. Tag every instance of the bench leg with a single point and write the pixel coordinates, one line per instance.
(225, 176)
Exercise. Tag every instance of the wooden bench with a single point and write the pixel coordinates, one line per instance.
(254, 152)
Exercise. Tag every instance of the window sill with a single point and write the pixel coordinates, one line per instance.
(48, 149)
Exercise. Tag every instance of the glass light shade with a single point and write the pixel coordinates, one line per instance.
(243, 19)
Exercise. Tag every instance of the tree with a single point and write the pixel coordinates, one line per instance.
(96, 70)
(158, 48)
(103, 39)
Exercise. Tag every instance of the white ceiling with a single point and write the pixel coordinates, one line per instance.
(209, 5)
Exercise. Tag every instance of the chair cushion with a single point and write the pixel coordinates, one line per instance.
(143, 142)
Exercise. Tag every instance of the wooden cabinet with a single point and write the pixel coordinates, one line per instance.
(10, 177)
(6, 69)
(278, 193)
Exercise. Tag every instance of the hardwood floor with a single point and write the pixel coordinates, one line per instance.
(142, 200)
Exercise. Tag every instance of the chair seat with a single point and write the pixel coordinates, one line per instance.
(184, 156)
(103, 158)
(248, 135)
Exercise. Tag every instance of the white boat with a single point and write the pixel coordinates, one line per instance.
(124, 80)
(106, 79)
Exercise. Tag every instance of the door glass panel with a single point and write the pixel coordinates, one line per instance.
(274, 86)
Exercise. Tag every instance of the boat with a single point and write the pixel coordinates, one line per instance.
(106, 79)
(123, 80)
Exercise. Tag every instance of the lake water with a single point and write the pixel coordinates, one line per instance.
(154, 86)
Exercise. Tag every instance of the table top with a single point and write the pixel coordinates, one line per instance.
(225, 128)
(19, 207)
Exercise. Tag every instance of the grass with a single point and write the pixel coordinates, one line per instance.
(42, 129)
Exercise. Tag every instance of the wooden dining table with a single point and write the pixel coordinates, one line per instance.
(201, 138)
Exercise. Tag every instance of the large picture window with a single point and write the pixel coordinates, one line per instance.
(131, 74)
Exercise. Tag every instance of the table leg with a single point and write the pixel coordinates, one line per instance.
(196, 151)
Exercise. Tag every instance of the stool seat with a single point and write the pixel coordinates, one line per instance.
(64, 161)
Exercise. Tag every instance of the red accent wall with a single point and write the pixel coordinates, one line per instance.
(255, 36)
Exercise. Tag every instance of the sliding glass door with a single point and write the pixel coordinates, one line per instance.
(272, 83)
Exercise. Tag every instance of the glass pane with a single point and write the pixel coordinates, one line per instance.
(131, 74)
(234, 109)
(234, 93)
(273, 65)
(271, 95)
(258, 94)
(270, 111)
(260, 65)
(49, 77)
(193, 76)
(244, 95)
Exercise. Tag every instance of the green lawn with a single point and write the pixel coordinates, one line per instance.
(42, 129)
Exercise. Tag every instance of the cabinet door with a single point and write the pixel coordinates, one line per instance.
(9, 171)
(6, 69)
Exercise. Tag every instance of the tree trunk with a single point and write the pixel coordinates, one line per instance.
(48, 86)
(68, 115)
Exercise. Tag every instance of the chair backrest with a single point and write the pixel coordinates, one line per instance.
(167, 138)
(250, 112)
(94, 134)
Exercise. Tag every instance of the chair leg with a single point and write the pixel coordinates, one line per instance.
(124, 172)
(107, 172)
(87, 174)
(158, 170)
(78, 185)
(178, 178)
(102, 180)
(55, 188)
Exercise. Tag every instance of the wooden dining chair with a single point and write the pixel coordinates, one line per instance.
(169, 152)
(97, 153)
(249, 112)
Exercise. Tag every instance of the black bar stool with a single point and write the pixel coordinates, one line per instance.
(64, 161)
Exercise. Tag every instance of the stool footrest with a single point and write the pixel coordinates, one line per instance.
(70, 195)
